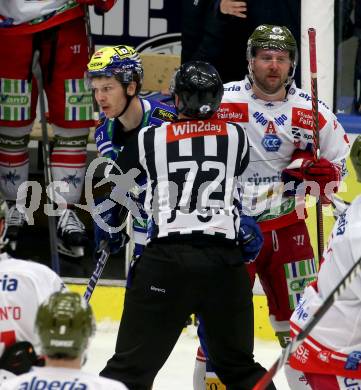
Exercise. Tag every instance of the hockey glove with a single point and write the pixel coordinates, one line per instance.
(304, 168)
(322, 172)
(103, 140)
(251, 239)
(101, 6)
(19, 358)
(114, 240)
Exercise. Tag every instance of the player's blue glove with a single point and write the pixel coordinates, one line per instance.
(108, 238)
(251, 238)
(103, 139)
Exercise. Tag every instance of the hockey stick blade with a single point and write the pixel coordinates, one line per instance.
(314, 319)
(96, 274)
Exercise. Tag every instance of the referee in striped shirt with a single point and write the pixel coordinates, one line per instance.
(193, 261)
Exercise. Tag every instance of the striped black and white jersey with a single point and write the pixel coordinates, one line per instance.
(192, 169)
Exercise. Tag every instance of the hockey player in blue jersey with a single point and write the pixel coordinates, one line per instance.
(116, 74)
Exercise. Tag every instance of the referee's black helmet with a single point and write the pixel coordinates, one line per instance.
(199, 89)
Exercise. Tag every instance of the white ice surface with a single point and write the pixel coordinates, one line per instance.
(177, 373)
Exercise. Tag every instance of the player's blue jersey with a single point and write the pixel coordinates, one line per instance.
(110, 139)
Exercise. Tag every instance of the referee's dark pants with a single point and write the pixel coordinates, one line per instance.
(171, 281)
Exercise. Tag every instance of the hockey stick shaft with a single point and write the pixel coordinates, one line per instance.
(314, 319)
(91, 49)
(96, 274)
(37, 72)
(316, 133)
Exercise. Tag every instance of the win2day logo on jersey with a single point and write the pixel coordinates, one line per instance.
(182, 130)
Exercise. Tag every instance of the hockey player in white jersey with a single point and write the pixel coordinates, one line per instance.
(277, 117)
(23, 286)
(57, 30)
(64, 323)
(331, 353)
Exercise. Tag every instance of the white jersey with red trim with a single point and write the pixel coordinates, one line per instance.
(275, 130)
(15, 12)
(61, 378)
(334, 345)
(24, 285)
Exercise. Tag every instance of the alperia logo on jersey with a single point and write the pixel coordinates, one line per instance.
(302, 118)
(181, 130)
(234, 112)
(36, 384)
(8, 284)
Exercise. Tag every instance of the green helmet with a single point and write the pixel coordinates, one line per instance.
(268, 36)
(355, 156)
(64, 323)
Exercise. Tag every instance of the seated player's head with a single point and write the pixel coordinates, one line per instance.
(115, 74)
(198, 89)
(272, 56)
(64, 323)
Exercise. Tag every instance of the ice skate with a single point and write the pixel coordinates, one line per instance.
(15, 221)
(71, 234)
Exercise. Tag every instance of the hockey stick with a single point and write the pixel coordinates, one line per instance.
(339, 205)
(96, 274)
(36, 69)
(316, 133)
(314, 319)
(90, 53)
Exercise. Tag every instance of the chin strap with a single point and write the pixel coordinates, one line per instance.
(287, 83)
(129, 99)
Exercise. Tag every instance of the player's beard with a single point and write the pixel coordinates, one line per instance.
(268, 87)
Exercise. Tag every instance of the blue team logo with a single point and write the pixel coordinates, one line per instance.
(353, 361)
(10, 177)
(271, 142)
(73, 180)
